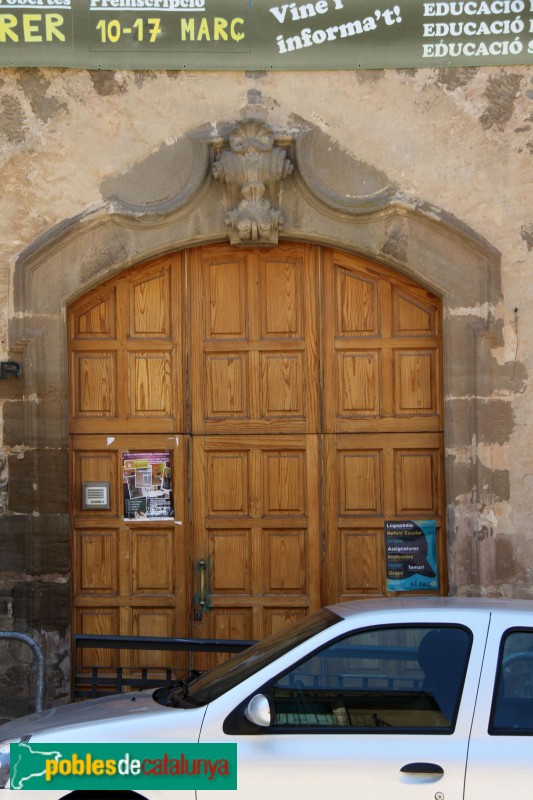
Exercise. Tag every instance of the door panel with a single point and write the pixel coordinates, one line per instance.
(254, 363)
(149, 312)
(308, 384)
(130, 576)
(95, 316)
(151, 393)
(96, 561)
(127, 355)
(256, 531)
(370, 478)
(381, 350)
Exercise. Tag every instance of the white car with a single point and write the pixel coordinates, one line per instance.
(400, 698)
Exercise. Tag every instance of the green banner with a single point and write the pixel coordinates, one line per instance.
(123, 767)
(260, 35)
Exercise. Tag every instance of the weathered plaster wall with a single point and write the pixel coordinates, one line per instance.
(453, 146)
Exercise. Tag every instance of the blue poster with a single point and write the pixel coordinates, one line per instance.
(411, 553)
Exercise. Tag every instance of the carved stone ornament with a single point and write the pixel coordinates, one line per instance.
(252, 172)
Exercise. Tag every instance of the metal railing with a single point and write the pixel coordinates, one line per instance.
(41, 664)
(98, 681)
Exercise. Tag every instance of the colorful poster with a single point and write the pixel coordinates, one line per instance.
(411, 553)
(147, 485)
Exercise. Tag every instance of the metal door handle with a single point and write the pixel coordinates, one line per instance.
(423, 768)
(202, 567)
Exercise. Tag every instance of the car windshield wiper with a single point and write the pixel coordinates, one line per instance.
(173, 692)
(181, 685)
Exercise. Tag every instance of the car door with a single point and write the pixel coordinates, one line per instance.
(381, 711)
(500, 761)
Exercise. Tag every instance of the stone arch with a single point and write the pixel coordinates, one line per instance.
(344, 204)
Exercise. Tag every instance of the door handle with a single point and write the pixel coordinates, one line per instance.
(200, 599)
(202, 568)
(422, 768)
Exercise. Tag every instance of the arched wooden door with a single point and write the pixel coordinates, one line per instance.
(291, 396)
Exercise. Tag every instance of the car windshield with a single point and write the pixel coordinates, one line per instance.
(215, 682)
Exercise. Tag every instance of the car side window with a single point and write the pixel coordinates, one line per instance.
(390, 679)
(512, 708)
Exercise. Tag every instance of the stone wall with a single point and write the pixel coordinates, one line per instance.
(428, 171)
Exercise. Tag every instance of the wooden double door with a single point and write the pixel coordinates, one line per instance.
(295, 396)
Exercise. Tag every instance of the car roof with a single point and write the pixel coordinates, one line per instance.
(482, 604)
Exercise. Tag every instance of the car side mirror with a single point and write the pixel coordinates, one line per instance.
(258, 711)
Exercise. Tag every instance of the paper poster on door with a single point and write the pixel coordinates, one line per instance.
(411, 553)
(147, 485)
